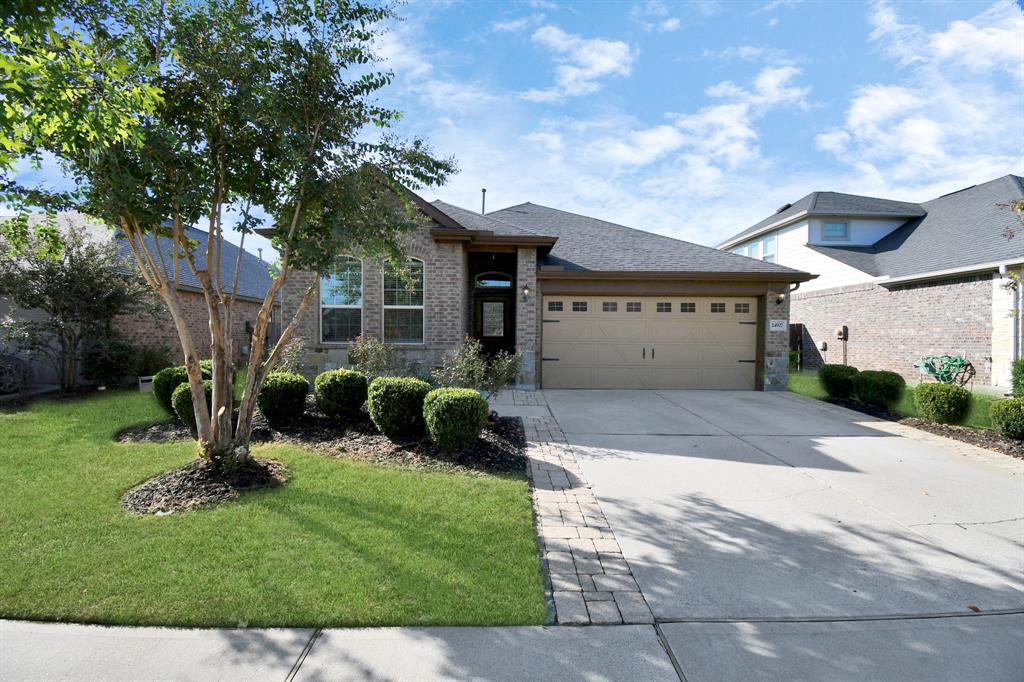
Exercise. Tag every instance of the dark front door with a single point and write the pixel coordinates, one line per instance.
(494, 323)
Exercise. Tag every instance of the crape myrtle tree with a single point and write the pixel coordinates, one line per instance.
(268, 113)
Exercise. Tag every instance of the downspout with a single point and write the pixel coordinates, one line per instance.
(1018, 310)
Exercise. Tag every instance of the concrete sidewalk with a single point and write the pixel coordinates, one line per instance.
(53, 651)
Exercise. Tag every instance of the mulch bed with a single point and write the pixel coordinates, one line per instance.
(199, 484)
(983, 438)
(990, 440)
(500, 449)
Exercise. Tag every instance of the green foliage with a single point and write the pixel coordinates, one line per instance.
(110, 361)
(878, 387)
(396, 405)
(152, 359)
(282, 399)
(1008, 417)
(181, 400)
(837, 380)
(1017, 378)
(469, 367)
(340, 392)
(794, 360)
(373, 358)
(942, 403)
(164, 383)
(81, 284)
(454, 417)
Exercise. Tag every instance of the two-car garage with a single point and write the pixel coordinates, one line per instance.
(649, 342)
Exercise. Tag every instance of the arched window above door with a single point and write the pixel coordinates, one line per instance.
(494, 280)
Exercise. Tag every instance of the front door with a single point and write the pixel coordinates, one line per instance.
(494, 322)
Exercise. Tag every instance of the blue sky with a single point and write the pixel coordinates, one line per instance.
(696, 119)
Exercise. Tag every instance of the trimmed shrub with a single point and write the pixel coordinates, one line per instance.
(1008, 417)
(181, 398)
(340, 392)
(454, 417)
(169, 378)
(109, 362)
(942, 403)
(837, 380)
(1017, 378)
(151, 360)
(396, 405)
(282, 399)
(878, 387)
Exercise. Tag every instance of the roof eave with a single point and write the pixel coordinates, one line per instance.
(739, 239)
(991, 266)
(486, 237)
(742, 236)
(792, 277)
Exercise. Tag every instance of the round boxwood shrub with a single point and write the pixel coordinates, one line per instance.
(169, 378)
(1008, 417)
(454, 417)
(942, 403)
(396, 405)
(340, 392)
(282, 399)
(837, 380)
(878, 387)
(181, 398)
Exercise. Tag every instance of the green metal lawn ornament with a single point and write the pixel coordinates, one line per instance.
(947, 369)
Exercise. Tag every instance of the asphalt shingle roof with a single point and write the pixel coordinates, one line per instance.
(836, 204)
(588, 244)
(960, 229)
(478, 221)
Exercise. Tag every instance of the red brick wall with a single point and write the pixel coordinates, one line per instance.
(144, 330)
(891, 329)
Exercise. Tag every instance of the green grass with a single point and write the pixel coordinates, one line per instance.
(340, 544)
(807, 384)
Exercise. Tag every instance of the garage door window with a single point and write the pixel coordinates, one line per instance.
(609, 307)
(554, 306)
(633, 307)
(687, 307)
(663, 307)
(579, 306)
(718, 307)
(742, 307)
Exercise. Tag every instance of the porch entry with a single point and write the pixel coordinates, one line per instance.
(492, 299)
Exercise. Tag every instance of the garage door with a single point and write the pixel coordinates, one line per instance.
(669, 342)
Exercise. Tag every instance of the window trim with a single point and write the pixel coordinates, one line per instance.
(422, 306)
(846, 233)
(360, 307)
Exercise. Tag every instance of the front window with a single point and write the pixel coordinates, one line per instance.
(403, 304)
(835, 231)
(341, 302)
(768, 253)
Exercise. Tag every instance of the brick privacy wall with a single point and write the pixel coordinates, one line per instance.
(145, 330)
(526, 314)
(892, 329)
(776, 344)
(444, 299)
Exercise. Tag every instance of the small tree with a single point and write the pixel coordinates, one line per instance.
(266, 109)
(81, 286)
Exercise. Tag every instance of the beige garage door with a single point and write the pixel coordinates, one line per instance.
(668, 342)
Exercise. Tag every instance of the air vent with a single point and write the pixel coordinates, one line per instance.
(782, 208)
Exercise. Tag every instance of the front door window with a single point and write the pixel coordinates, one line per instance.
(493, 318)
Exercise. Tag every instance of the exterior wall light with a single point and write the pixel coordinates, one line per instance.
(526, 291)
(780, 298)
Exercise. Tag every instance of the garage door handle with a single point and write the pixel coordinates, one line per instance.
(549, 359)
(748, 322)
(746, 361)
(652, 354)
(550, 321)
(644, 354)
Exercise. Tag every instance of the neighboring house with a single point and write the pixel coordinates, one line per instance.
(904, 279)
(146, 330)
(590, 304)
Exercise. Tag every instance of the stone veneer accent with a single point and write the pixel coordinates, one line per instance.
(587, 579)
(526, 315)
(891, 329)
(775, 373)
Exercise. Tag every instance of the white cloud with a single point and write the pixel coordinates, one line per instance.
(672, 24)
(514, 25)
(641, 147)
(746, 53)
(582, 63)
(552, 142)
(653, 15)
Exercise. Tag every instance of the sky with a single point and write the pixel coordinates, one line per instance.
(697, 119)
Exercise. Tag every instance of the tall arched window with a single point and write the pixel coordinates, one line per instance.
(341, 302)
(403, 304)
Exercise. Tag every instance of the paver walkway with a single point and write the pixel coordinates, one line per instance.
(587, 578)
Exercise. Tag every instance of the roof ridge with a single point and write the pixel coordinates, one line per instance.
(488, 216)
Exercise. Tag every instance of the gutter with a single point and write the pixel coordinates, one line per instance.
(739, 239)
(942, 274)
(794, 277)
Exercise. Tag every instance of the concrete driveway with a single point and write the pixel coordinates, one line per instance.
(767, 529)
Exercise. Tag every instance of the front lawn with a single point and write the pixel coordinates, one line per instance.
(806, 383)
(342, 543)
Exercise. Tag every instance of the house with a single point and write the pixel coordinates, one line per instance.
(588, 303)
(144, 329)
(903, 279)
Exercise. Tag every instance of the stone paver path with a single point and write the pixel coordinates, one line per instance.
(587, 578)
